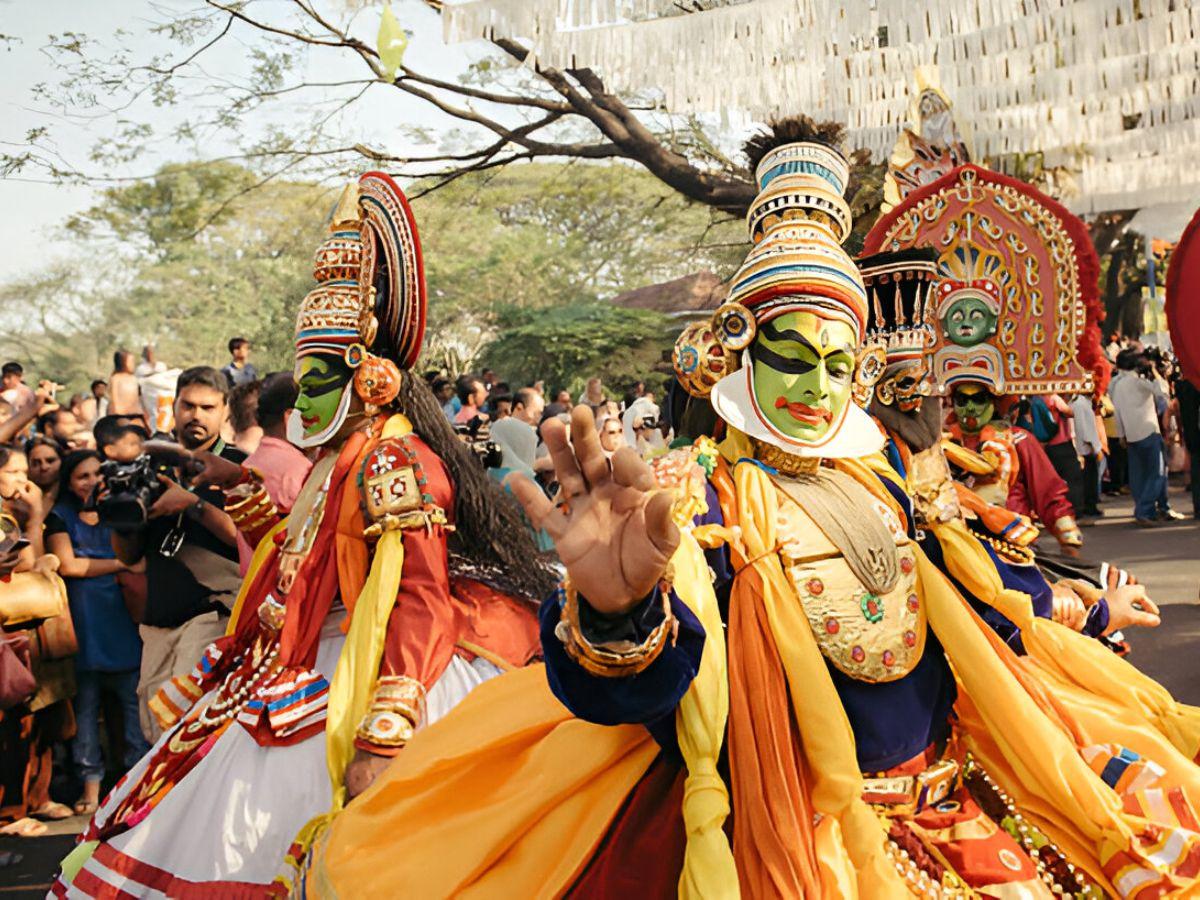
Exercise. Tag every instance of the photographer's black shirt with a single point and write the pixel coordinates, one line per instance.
(174, 594)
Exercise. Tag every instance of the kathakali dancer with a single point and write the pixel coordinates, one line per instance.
(1016, 313)
(390, 592)
(767, 635)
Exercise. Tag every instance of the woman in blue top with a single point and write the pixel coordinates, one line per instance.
(110, 650)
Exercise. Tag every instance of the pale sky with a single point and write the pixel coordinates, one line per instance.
(33, 209)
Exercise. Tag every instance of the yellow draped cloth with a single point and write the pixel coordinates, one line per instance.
(508, 795)
(357, 669)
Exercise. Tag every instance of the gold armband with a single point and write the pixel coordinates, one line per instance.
(968, 460)
(931, 485)
(249, 504)
(396, 712)
(616, 659)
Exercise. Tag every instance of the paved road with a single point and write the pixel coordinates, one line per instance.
(1166, 559)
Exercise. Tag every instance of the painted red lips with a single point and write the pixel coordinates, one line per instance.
(804, 413)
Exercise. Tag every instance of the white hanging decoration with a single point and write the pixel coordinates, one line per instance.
(1112, 86)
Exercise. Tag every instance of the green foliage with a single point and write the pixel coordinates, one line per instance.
(184, 261)
(523, 260)
(55, 327)
(542, 235)
(565, 345)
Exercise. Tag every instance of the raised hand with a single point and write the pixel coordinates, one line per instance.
(617, 536)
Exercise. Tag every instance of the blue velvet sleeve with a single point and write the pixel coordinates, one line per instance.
(1097, 619)
(650, 697)
(639, 699)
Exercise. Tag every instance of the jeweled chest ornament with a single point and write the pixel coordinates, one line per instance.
(395, 490)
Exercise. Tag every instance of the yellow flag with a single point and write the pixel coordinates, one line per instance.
(392, 42)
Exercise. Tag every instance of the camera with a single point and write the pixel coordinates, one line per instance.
(477, 436)
(127, 491)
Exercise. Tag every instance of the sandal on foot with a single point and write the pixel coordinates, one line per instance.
(86, 807)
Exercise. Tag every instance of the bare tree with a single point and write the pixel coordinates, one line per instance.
(505, 109)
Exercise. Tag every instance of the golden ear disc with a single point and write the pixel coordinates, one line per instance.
(699, 359)
(734, 326)
(377, 381)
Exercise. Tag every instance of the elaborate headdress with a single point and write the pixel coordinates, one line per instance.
(900, 306)
(797, 223)
(369, 303)
(1021, 264)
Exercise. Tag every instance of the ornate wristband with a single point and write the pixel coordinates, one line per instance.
(616, 659)
(250, 506)
(396, 712)
(1067, 531)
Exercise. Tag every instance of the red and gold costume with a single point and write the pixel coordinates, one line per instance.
(1025, 268)
(351, 631)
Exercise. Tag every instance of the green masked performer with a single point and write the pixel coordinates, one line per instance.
(1096, 600)
(766, 636)
(388, 594)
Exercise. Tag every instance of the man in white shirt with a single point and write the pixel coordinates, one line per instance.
(1134, 399)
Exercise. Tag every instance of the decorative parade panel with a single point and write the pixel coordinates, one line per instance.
(1008, 306)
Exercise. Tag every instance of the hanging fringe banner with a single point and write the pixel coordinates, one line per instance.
(1107, 88)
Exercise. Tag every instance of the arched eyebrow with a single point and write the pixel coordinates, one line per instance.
(772, 333)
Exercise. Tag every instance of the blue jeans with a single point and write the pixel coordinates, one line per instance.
(89, 760)
(1148, 476)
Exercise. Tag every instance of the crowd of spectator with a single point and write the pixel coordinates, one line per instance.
(1126, 441)
(143, 601)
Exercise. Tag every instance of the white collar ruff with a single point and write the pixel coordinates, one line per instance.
(295, 427)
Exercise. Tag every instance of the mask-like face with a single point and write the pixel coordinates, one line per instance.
(974, 407)
(323, 380)
(968, 321)
(905, 387)
(803, 371)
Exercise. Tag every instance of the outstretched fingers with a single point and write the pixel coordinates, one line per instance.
(537, 505)
(660, 526)
(566, 468)
(586, 442)
(629, 470)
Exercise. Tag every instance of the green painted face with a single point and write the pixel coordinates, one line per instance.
(968, 321)
(974, 407)
(322, 381)
(803, 370)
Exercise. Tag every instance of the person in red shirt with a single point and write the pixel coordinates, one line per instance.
(281, 463)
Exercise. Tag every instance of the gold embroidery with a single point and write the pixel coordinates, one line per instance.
(870, 636)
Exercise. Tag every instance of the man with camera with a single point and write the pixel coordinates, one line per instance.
(1136, 395)
(188, 541)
